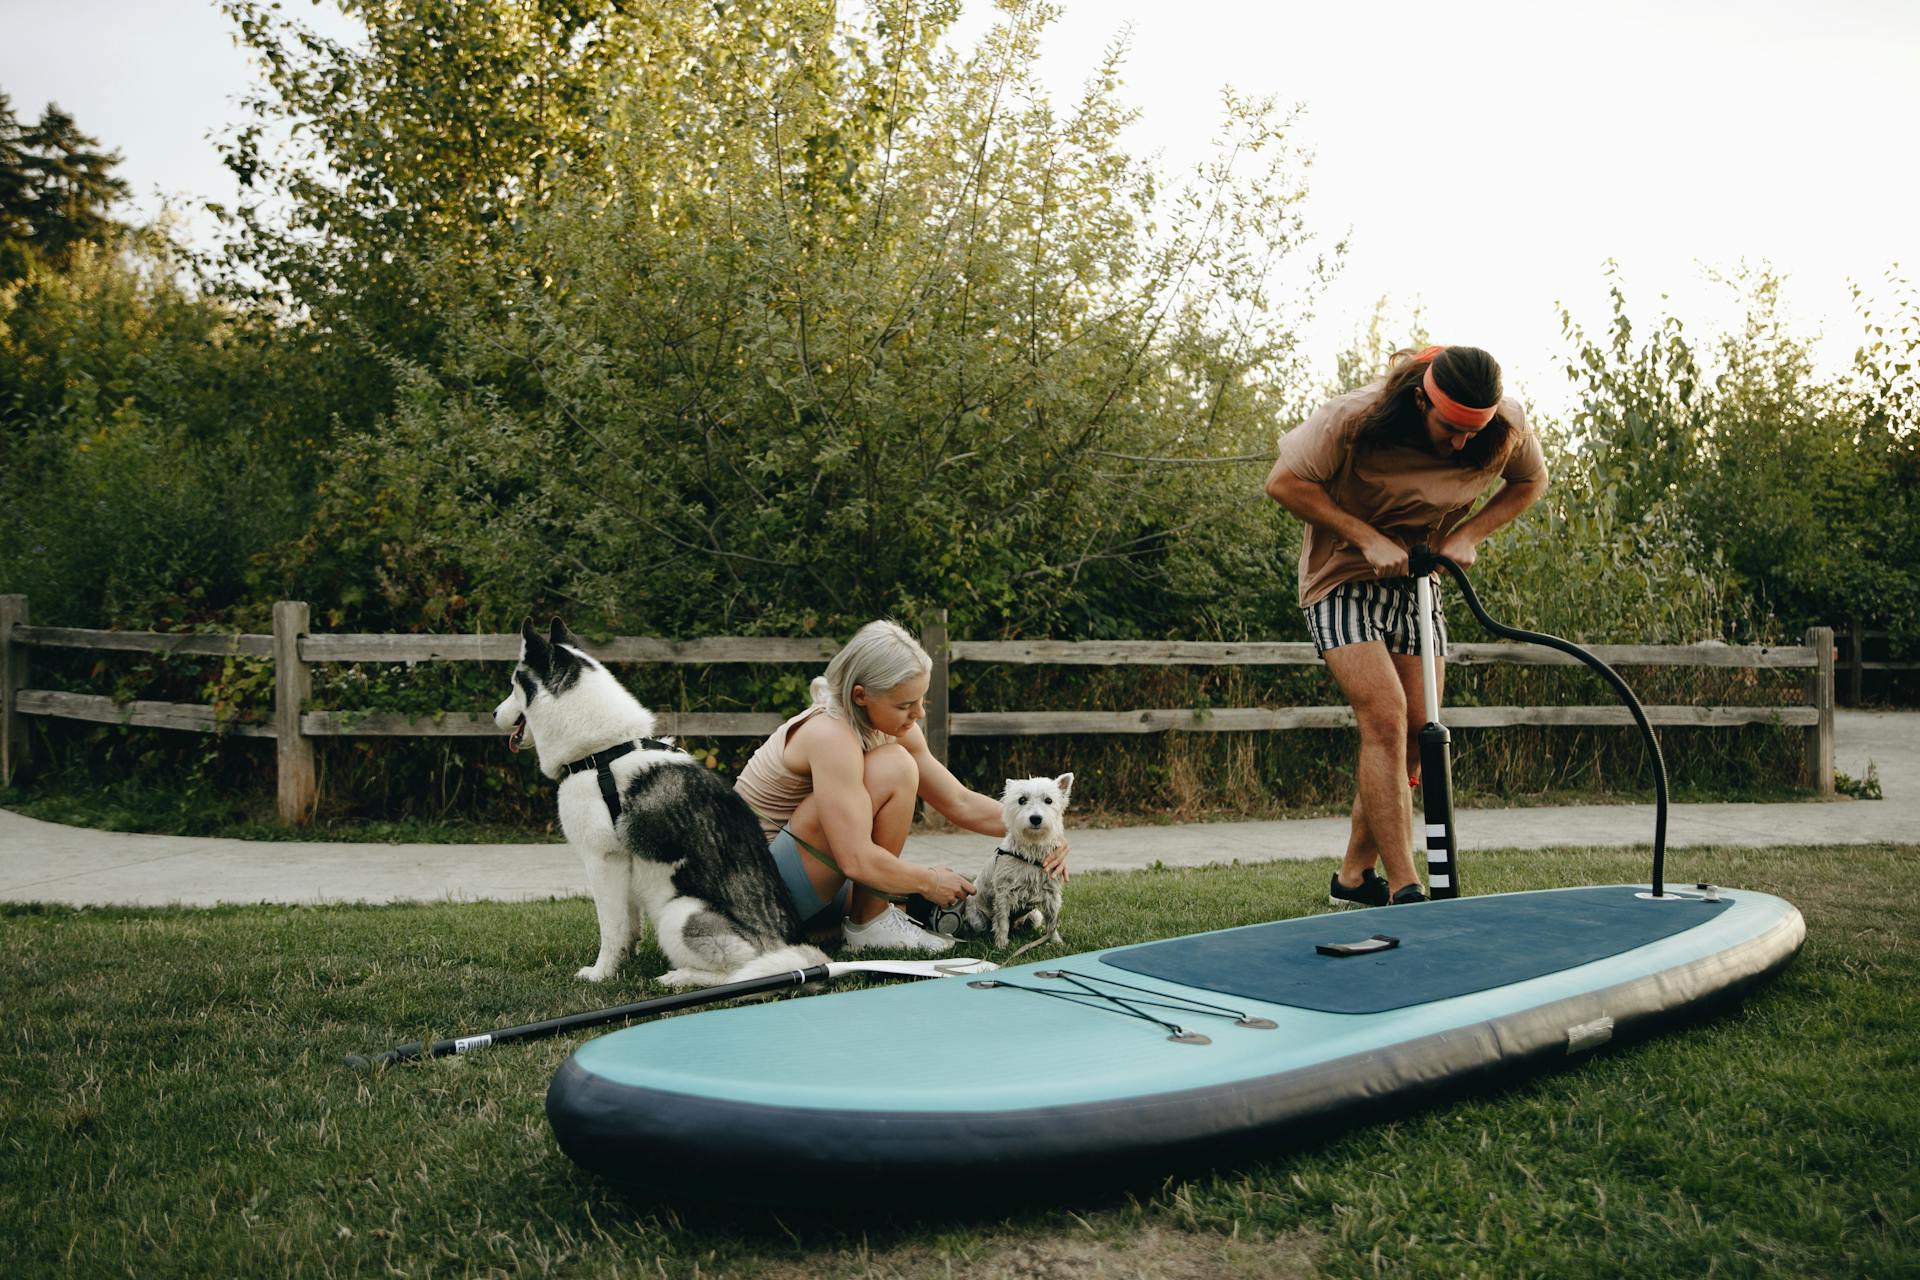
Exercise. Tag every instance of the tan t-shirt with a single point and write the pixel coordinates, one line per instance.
(1409, 494)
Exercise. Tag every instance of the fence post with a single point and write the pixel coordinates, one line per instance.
(1859, 657)
(13, 678)
(1819, 694)
(933, 638)
(292, 685)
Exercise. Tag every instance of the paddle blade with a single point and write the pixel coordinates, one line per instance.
(959, 967)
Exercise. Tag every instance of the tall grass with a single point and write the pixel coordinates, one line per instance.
(1187, 776)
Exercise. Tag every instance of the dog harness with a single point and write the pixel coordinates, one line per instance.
(1009, 853)
(601, 763)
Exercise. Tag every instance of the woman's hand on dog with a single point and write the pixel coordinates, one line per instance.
(1056, 862)
(948, 889)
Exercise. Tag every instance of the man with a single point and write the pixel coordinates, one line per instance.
(1374, 472)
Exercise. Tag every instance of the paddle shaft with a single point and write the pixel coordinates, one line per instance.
(594, 1017)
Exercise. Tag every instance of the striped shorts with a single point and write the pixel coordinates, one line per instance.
(1356, 612)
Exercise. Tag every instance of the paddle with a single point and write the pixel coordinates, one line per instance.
(679, 1000)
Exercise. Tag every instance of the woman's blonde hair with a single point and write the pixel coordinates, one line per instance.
(881, 656)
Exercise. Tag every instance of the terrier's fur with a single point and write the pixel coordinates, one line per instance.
(685, 852)
(1015, 884)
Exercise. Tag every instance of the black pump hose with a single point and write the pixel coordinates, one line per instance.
(1422, 561)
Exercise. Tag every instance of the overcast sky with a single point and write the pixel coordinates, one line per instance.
(1488, 156)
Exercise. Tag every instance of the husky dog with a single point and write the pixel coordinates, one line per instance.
(1015, 884)
(662, 839)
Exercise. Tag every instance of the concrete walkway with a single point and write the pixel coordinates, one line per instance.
(44, 862)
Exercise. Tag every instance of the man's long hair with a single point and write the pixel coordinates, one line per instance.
(1469, 375)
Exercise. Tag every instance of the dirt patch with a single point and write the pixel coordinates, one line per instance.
(1151, 1253)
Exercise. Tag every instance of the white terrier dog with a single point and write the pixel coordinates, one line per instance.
(661, 837)
(1015, 884)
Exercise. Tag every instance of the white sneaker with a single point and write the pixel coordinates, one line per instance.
(891, 930)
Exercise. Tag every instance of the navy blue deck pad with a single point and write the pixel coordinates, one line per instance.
(1449, 948)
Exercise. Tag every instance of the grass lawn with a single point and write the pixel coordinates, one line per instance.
(172, 1102)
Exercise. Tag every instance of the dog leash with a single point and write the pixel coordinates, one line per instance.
(833, 866)
(1024, 948)
(601, 763)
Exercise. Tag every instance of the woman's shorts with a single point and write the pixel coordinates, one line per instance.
(788, 859)
(1356, 612)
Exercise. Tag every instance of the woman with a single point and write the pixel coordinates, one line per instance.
(835, 788)
(1375, 472)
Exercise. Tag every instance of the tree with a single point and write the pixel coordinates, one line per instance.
(1800, 483)
(429, 141)
(69, 186)
(1641, 410)
(145, 460)
(16, 192)
(833, 322)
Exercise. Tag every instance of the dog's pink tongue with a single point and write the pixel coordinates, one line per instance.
(519, 728)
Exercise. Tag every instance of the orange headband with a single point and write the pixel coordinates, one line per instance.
(1452, 410)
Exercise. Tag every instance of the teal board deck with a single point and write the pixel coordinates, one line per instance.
(1476, 944)
(899, 1091)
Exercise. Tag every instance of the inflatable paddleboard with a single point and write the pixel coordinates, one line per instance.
(1146, 1058)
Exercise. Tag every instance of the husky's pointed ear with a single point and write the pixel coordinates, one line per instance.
(558, 635)
(533, 647)
(1065, 783)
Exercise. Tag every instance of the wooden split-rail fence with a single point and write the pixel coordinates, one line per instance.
(294, 649)
(1851, 647)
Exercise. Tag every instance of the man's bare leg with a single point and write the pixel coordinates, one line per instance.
(1383, 810)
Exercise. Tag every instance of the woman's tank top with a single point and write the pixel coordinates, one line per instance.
(768, 786)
